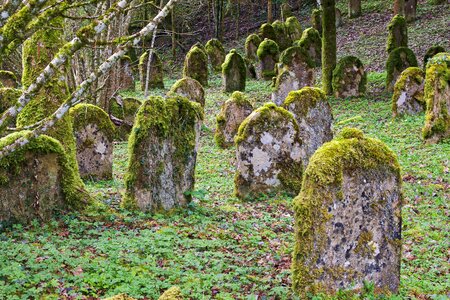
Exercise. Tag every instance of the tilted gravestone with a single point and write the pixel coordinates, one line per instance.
(189, 88)
(156, 73)
(314, 116)
(268, 55)
(312, 43)
(234, 72)
(268, 153)
(122, 112)
(163, 151)
(432, 51)
(408, 93)
(296, 70)
(232, 114)
(349, 78)
(398, 60)
(437, 98)
(94, 133)
(251, 47)
(216, 54)
(37, 180)
(348, 218)
(398, 33)
(196, 65)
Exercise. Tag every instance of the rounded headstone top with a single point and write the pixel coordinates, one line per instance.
(351, 133)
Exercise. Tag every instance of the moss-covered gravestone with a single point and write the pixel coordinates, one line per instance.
(232, 114)
(36, 181)
(251, 70)
(196, 65)
(314, 116)
(432, 51)
(437, 98)
(398, 60)
(312, 43)
(156, 71)
(216, 54)
(162, 154)
(268, 154)
(397, 33)
(8, 79)
(266, 31)
(286, 11)
(123, 112)
(349, 78)
(282, 38)
(339, 20)
(408, 92)
(316, 20)
(296, 71)
(94, 133)
(234, 72)
(293, 28)
(189, 88)
(268, 55)
(251, 46)
(348, 218)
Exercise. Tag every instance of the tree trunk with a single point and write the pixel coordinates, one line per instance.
(219, 20)
(354, 8)
(410, 10)
(399, 7)
(238, 16)
(269, 12)
(174, 37)
(328, 44)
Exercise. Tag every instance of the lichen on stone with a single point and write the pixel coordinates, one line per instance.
(312, 43)
(397, 33)
(349, 78)
(196, 65)
(316, 20)
(408, 92)
(282, 38)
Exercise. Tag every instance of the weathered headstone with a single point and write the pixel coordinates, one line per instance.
(268, 153)
(398, 33)
(123, 111)
(432, 51)
(8, 79)
(312, 43)
(408, 92)
(251, 70)
(163, 151)
(349, 78)
(196, 65)
(296, 71)
(94, 133)
(398, 60)
(437, 98)
(189, 88)
(251, 47)
(316, 20)
(286, 11)
(37, 180)
(294, 28)
(268, 55)
(232, 114)
(266, 31)
(234, 72)
(282, 38)
(216, 54)
(348, 218)
(156, 71)
(314, 116)
(339, 21)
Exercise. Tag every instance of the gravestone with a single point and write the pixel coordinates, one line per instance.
(398, 60)
(216, 54)
(126, 77)
(316, 20)
(437, 98)
(266, 31)
(339, 20)
(408, 93)
(314, 116)
(94, 134)
(234, 72)
(189, 88)
(268, 154)
(268, 55)
(232, 113)
(251, 70)
(156, 71)
(37, 180)
(294, 28)
(397, 33)
(196, 65)
(348, 218)
(8, 79)
(286, 11)
(283, 85)
(163, 152)
(432, 51)
(122, 112)
(312, 43)
(251, 47)
(282, 38)
(349, 78)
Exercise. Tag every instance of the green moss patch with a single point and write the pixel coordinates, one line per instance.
(414, 74)
(266, 31)
(196, 65)
(432, 51)
(83, 114)
(293, 28)
(398, 33)
(339, 73)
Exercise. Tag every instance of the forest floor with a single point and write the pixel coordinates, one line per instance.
(221, 248)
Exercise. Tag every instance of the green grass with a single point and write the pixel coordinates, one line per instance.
(219, 247)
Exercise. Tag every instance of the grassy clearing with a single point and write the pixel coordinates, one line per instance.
(219, 247)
